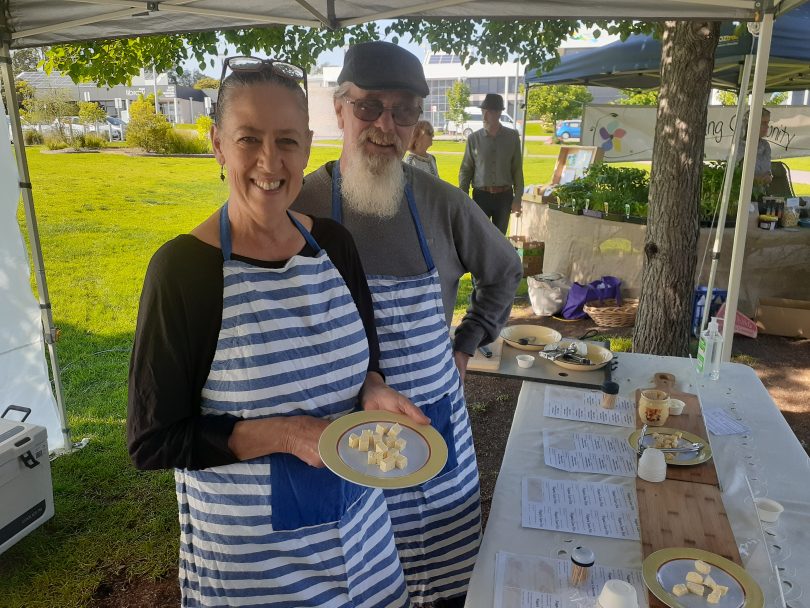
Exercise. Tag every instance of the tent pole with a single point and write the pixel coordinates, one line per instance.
(525, 119)
(48, 329)
(728, 181)
(747, 182)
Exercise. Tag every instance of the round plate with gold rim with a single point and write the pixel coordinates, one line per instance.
(425, 450)
(535, 337)
(680, 459)
(666, 568)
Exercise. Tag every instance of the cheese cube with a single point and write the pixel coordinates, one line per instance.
(702, 567)
(695, 588)
(714, 597)
(709, 581)
(378, 439)
(722, 589)
(379, 457)
(362, 443)
(372, 457)
(402, 462)
(679, 590)
(380, 447)
(694, 577)
(400, 444)
(393, 453)
(387, 464)
(354, 441)
(380, 430)
(395, 429)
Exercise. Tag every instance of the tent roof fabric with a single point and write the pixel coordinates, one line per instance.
(44, 22)
(636, 62)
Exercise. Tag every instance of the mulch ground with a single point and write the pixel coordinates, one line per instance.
(783, 365)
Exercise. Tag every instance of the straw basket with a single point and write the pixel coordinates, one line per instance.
(608, 314)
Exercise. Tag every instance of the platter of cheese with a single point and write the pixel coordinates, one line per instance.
(694, 578)
(529, 337)
(664, 437)
(382, 450)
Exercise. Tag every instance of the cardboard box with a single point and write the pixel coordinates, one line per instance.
(783, 317)
(531, 255)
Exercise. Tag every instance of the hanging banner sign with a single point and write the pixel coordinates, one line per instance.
(626, 133)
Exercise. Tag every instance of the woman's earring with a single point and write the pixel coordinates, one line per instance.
(222, 172)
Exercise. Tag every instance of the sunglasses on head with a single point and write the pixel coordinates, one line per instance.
(284, 69)
(370, 110)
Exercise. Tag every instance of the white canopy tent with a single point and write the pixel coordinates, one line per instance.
(26, 23)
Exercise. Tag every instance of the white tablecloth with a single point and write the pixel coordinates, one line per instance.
(770, 461)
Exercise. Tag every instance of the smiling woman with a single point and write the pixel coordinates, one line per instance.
(253, 332)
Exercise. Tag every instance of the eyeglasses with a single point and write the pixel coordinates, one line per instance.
(370, 110)
(290, 71)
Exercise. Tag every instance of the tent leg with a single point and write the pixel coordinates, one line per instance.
(752, 137)
(48, 328)
(728, 182)
(525, 120)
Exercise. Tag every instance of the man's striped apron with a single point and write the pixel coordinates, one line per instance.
(437, 526)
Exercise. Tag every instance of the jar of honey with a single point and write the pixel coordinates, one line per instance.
(653, 407)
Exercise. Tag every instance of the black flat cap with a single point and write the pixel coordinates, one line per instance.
(382, 66)
(492, 101)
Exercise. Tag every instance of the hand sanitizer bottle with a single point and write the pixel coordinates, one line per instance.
(710, 351)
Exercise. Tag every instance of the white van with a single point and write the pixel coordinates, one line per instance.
(474, 122)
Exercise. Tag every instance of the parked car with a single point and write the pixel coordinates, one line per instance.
(475, 121)
(113, 126)
(568, 129)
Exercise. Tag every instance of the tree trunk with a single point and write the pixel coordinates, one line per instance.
(673, 225)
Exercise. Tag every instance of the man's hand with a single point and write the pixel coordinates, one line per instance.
(377, 395)
(517, 208)
(461, 359)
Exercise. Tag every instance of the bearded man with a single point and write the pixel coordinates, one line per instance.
(417, 235)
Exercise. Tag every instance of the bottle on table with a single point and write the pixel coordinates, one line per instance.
(710, 350)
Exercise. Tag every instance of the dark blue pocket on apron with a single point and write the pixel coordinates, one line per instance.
(303, 496)
(439, 414)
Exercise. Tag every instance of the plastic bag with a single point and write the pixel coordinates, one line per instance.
(547, 293)
(579, 295)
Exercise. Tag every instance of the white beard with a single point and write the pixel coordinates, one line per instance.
(370, 184)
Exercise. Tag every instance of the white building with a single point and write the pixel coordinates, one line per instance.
(180, 104)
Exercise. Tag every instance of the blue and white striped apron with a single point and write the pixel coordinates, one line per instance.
(274, 531)
(437, 526)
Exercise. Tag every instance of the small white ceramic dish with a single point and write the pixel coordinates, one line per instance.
(768, 510)
(676, 407)
(618, 594)
(525, 360)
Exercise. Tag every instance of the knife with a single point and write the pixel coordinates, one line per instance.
(485, 351)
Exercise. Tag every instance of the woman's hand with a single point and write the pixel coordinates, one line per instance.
(296, 435)
(377, 395)
(301, 438)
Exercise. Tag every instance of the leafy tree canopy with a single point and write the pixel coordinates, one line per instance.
(184, 78)
(638, 97)
(206, 82)
(729, 98)
(535, 43)
(550, 103)
(458, 98)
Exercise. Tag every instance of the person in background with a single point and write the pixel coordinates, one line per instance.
(493, 165)
(417, 236)
(762, 169)
(254, 332)
(417, 155)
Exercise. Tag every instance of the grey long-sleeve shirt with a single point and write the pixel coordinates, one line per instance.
(493, 161)
(460, 237)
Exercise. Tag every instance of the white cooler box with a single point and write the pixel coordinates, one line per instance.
(26, 492)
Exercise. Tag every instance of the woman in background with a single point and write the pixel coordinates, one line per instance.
(417, 155)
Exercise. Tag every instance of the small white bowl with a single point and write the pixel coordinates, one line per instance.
(525, 360)
(768, 510)
(676, 407)
(618, 594)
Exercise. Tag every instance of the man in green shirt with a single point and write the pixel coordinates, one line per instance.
(493, 165)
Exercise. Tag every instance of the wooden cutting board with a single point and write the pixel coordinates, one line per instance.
(683, 514)
(690, 420)
(480, 363)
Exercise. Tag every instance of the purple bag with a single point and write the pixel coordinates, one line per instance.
(579, 295)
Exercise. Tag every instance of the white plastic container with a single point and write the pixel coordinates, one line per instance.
(710, 350)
